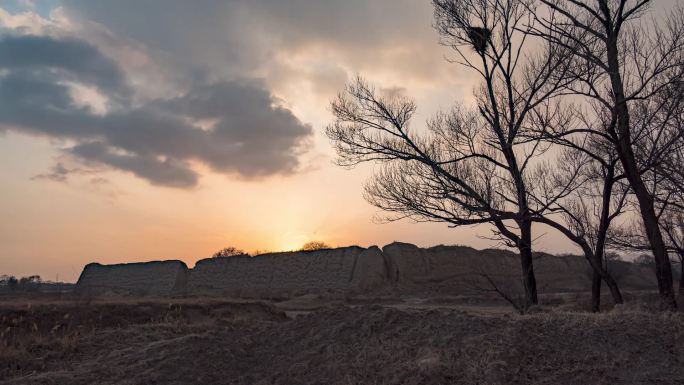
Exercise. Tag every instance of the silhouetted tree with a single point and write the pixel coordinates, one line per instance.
(631, 72)
(673, 227)
(665, 180)
(597, 197)
(587, 210)
(633, 237)
(473, 165)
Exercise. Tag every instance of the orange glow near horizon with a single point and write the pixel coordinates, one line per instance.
(56, 228)
(101, 213)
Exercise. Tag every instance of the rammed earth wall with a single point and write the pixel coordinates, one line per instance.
(147, 278)
(400, 268)
(280, 275)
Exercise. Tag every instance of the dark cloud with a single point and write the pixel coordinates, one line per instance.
(164, 172)
(72, 59)
(233, 126)
(202, 58)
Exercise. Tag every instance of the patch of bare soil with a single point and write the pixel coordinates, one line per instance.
(370, 344)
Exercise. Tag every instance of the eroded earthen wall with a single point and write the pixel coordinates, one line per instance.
(455, 270)
(148, 278)
(283, 275)
(400, 268)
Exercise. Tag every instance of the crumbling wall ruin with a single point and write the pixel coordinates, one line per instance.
(159, 278)
(398, 268)
(457, 270)
(281, 275)
(449, 270)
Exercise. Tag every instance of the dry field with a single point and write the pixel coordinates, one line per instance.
(310, 341)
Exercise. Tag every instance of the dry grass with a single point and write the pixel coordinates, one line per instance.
(198, 341)
(44, 334)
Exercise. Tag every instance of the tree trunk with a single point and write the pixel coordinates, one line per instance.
(655, 238)
(596, 292)
(593, 259)
(681, 276)
(614, 289)
(601, 268)
(601, 273)
(525, 248)
(623, 142)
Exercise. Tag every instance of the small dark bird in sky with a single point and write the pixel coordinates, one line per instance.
(479, 37)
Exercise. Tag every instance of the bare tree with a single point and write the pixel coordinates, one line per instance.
(584, 188)
(472, 166)
(622, 64)
(665, 183)
(673, 227)
(633, 237)
(587, 211)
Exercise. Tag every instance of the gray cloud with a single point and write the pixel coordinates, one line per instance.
(73, 59)
(195, 63)
(246, 37)
(164, 172)
(236, 24)
(233, 126)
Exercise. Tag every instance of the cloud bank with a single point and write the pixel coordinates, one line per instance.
(233, 126)
(159, 87)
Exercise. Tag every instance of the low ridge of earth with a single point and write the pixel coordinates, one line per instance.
(193, 341)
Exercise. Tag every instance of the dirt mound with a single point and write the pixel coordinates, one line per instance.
(373, 344)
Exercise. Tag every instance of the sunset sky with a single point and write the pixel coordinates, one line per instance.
(139, 130)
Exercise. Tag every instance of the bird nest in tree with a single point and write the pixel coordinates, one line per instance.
(479, 37)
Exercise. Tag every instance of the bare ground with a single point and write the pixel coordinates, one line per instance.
(407, 342)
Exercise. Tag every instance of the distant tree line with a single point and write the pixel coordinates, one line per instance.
(11, 283)
(577, 124)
